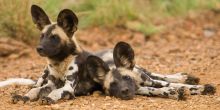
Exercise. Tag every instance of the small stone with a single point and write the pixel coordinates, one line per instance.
(218, 99)
(107, 98)
(96, 93)
(209, 32)
(55, 107)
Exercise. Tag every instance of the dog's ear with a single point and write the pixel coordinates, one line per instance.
(39, 17)
(124, 55)
(97, 68)
(68, 21)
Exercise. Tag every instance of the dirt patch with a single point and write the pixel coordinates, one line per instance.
(188, 45)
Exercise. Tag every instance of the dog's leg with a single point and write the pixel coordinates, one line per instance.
(43, 79)
(35, 93)
(173, 78)
(167, 92)
(193, 89)
(40, 89)
(65, 92)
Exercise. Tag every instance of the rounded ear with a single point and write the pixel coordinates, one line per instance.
(97, 68)
(123, 55)
(39, 17)
(68, 21)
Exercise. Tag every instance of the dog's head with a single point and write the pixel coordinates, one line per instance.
(120, 81)
(56, 39)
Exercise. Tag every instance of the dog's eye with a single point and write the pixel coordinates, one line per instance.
(54, 37)
(126, 77)
(113, 83)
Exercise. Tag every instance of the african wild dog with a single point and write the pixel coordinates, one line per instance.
(66, 62)
(123, 81)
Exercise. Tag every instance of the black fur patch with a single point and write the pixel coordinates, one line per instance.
(72, 77)
(70, 68)
(25, 99)
(16, 98)
(52, 78)
(172, 92)
(144, 77)
(50, 65)
(57, 82)
(142, 83)
(46, 101)
(192, 89)
(192, 80)
(194, 94)
(165, 94)
(157, 84)
(181, 93)
(151, 94)
(44, 92)
(44, 82)
(208, 89)
(167, 84)
(67, 95)
(46, 73)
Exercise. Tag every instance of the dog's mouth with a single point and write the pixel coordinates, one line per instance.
(42, 54)
(127, 97)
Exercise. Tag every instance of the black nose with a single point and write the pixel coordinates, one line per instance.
(124, 91)
(40, 49)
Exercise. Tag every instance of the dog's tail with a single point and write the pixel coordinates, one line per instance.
(17, 81)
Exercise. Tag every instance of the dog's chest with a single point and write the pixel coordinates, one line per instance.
(59, 70)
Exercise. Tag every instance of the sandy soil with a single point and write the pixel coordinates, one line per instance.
(188, 45)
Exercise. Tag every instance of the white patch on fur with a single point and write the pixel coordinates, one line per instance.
(107, 81)
(17, 81)
(39, 82)
(107, 56)
(157, 91)
(175, 78)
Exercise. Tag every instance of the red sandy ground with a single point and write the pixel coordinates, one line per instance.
(188, 45)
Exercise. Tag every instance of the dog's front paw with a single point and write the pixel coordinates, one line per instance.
(16, 98)
(46, 101)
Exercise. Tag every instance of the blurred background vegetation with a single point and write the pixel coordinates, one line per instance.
(136, 15)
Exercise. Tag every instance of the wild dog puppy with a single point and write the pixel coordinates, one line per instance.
(60, 48)
(66, 62)
(123, 82)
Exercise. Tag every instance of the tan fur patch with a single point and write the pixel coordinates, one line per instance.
(108, 79)
(61, 68)
(59, 31)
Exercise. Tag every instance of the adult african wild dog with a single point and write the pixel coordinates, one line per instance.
(67, 64)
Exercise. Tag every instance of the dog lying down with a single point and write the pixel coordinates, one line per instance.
(72, 71)
(124, 81)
